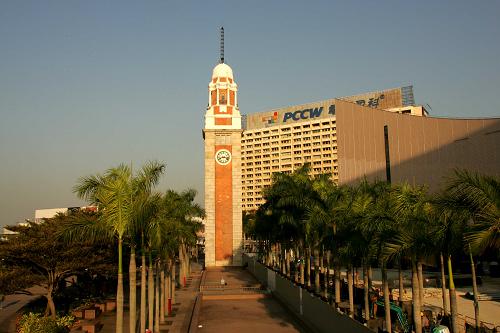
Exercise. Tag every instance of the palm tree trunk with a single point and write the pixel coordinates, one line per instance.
(132, 291)
(119, 289)
(317, 285)
(283, 259)
(337, 285)
(157, 300)
(327, 274)
(302, 272)
(181, 265)
(186, 264)
(169, 289)
(273, 256)
(296, 256)
(401, 285)
(415, 285)
(370, 277)
(474, 289)
(446, 300)
(350, 283)
(387, 303)
(151, 293)
(308, 267)
(453, 297)
(279, 257)
(421, 283)
(366, 292)
(188, 261)
(162, 291)
(287, 256)
(174, 283)
(268, 256)
(144, 274)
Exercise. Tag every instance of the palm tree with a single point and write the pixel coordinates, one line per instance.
(339, 213)
(139, 231)
(281, 220)
(180, 208)
(475, 198)
(448, 237)
(352, 244)
(315, 231)
(414, 237)
(114, 192)
(374, 214)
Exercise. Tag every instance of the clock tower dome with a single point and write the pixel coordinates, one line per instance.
(222, 135)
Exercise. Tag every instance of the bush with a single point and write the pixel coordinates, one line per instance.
(36, 323)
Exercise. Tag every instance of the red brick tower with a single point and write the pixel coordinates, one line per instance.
(222, 135)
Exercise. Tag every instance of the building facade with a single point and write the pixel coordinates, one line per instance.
(346, 137)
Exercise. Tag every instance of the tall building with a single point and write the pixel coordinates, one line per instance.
(222, 135)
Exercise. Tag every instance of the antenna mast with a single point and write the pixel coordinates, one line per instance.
(221, 45)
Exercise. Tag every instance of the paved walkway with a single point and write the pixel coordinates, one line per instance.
(242, 312)
(12, 304)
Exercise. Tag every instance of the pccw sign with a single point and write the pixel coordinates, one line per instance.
(307, 113)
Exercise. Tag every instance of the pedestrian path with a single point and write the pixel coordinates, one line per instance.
(238, 306)
(12, 304)
(185, 299)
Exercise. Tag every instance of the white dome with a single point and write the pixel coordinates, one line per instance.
(222, 70)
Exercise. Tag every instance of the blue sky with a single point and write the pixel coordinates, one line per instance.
(85, 85)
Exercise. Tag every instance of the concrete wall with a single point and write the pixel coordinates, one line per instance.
(260, 273)
(316, 314)
(423, 150)
(288, 293)
(323, 317)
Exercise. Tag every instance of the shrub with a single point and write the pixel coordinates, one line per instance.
(36, 323)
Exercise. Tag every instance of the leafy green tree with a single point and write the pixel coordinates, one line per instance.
(38, 253)
(16, 279)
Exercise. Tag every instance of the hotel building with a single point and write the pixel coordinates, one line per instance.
(380, 135)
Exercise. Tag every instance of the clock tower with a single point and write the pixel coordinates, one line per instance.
(222, 135)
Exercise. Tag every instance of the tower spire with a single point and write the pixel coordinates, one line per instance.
(221, 45)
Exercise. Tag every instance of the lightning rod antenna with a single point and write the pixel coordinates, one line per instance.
(221, 45)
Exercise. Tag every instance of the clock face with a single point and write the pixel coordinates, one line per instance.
(223, 156)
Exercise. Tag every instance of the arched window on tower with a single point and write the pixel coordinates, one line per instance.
(222, 97)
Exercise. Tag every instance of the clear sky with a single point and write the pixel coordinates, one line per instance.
(85, 85)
